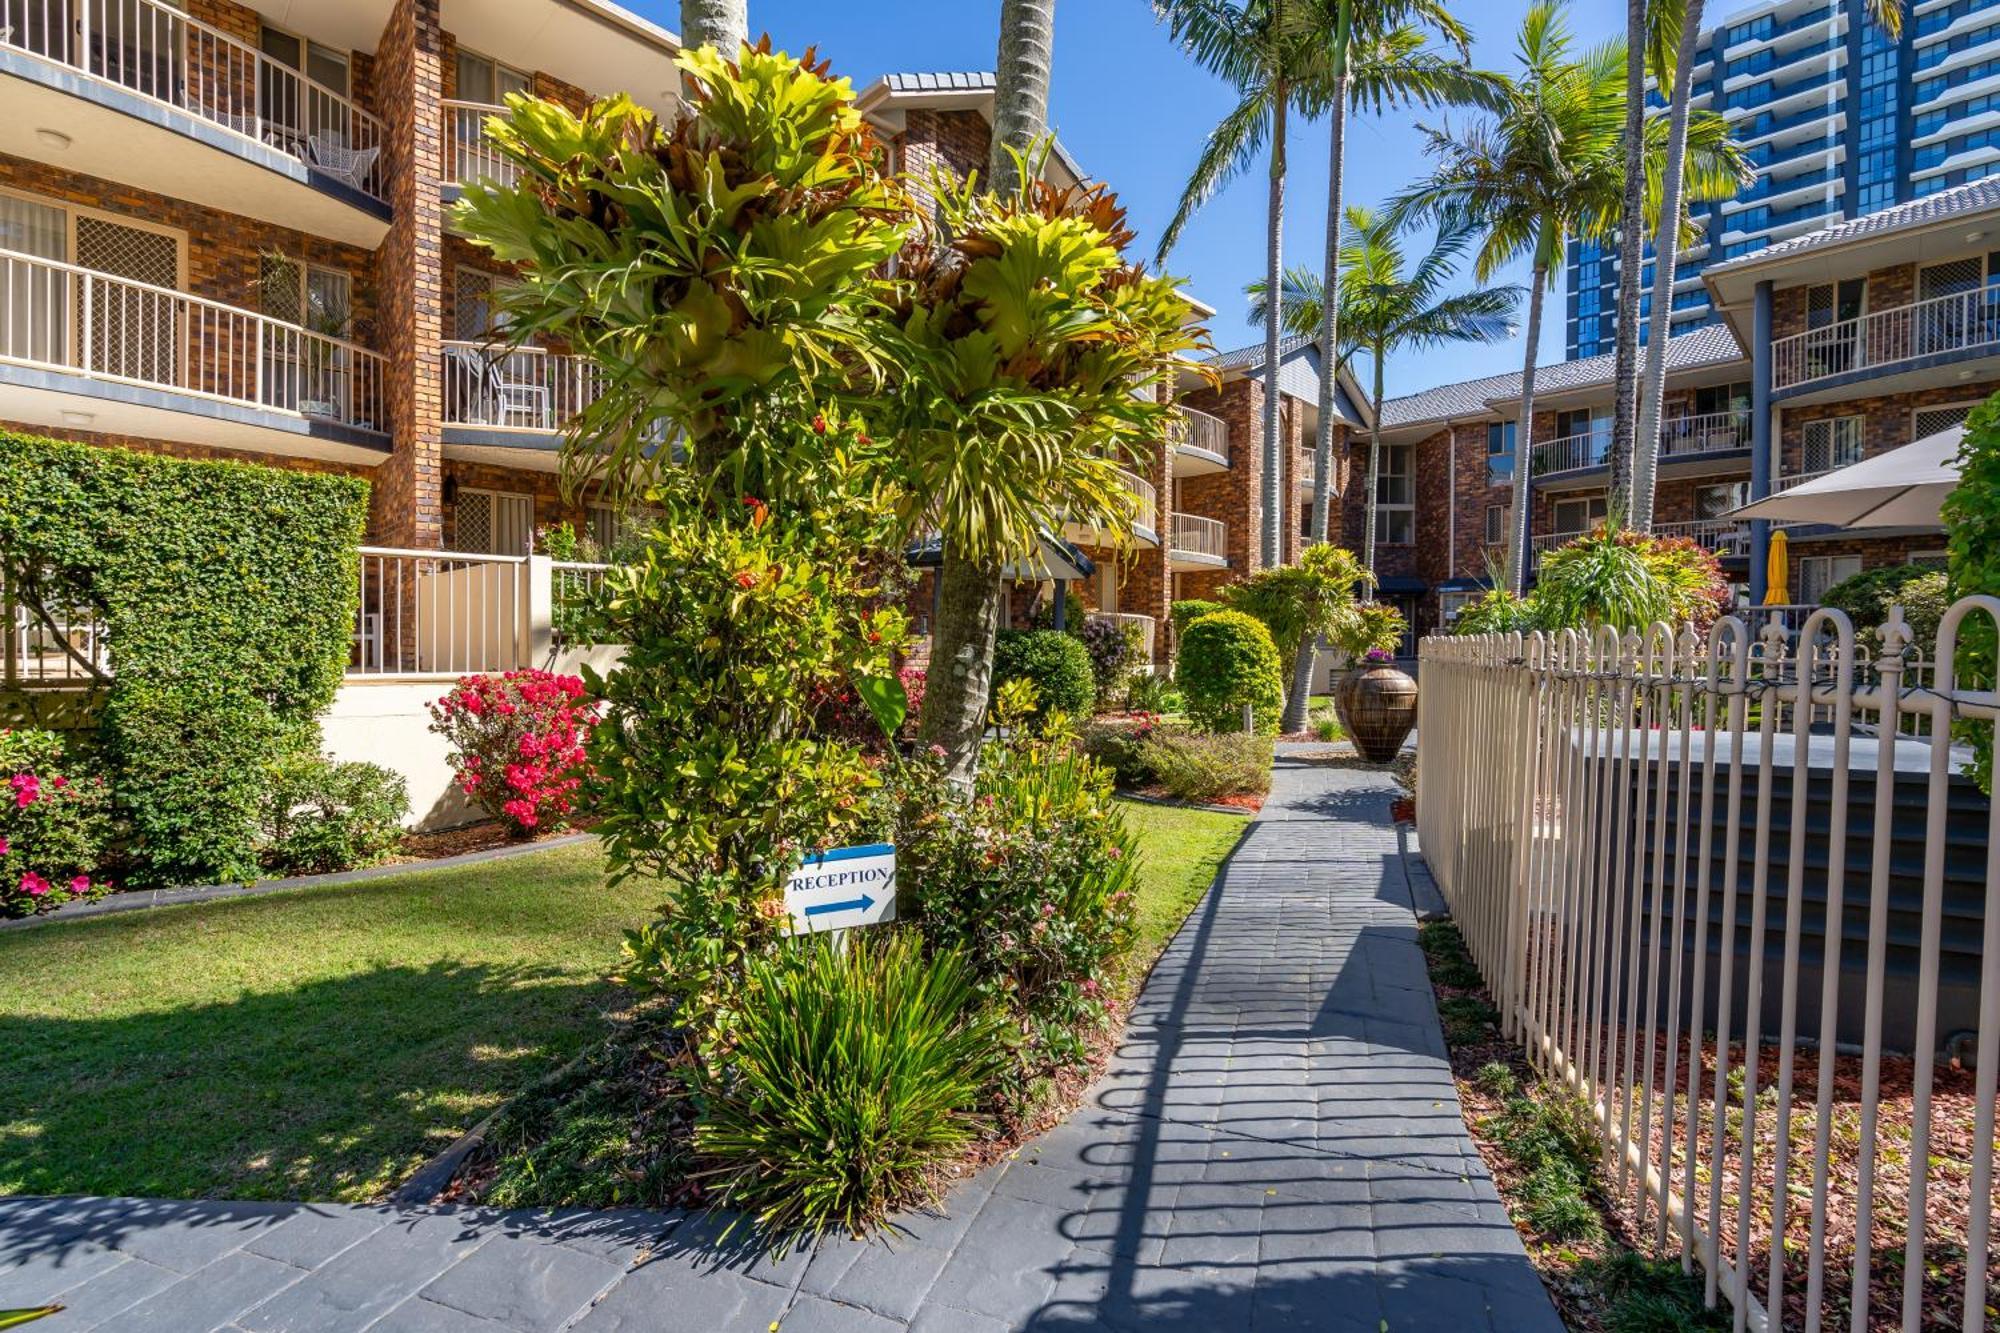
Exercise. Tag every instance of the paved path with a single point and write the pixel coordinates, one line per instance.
(1275, 1146)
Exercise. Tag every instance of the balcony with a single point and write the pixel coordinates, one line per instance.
(1543, 543)
(1728, 537)
(1572, 453)
(1910, 337)
(1708, 433)
(136, 91)
(1199, 543)
(1204, 447)
(1145, 516)
(469, 154)
(82, 348)
(1128, 621)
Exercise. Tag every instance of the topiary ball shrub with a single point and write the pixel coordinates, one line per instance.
(54, 823)
(518, 745)
(321, 815)
(854, 1074)
(1057, 665)
(1228, 660)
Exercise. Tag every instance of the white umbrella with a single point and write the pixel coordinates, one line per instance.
(1903, 488)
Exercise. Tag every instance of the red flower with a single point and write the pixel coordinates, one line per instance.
(819, 425)
(745, 579)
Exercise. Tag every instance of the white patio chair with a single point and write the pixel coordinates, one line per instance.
(330, 153)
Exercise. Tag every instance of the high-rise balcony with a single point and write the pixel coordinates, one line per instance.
(139, 92)
(82, 348)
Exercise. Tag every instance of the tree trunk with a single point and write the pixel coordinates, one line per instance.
(1524, 446)
(1371, 496)
(722, 24)
(1666, 251)
(1271, 545)
(959, 682)
(1631, 242)
(1021, 87)
(1319, 525)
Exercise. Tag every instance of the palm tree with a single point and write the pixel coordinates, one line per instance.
(970, 596)
(1385, 309)
(1549, 166)
(1678, 25)
(1267, 50)
(1631, 242)
(1379, 59)
(722, 24)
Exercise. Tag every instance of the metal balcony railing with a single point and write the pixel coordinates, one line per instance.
(1960, 322)
(515, 388)
(1728, 536)
(1206, 433)
(1707, 433)
(469, 154)
(1195, 535)
(66, 317)
(1570, 452)
(160, 53)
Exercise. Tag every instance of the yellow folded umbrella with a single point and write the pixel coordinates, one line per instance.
(1778, 570)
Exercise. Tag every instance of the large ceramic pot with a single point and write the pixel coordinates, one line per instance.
(1378, 707)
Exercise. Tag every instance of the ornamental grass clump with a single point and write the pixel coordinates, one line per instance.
(518, 745)
(855, 1072)
(54, 824)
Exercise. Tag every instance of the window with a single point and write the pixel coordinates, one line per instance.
(483, 79)
(1579, 514)
(1929, 559)
(1835, 302)
(473, 293)
(1451, 603)
(1718, 498)
(1710, 399)
(1928, 421)
(44, 318)
(491, 522)
(286, 104)
(1499, 453)
(1396, 496)
(1830, 443)
(1496, 524)
(1817, 573)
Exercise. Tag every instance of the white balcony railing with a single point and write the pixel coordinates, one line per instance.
(1791, 479)
(440, 613)
(1729, 536)
(1710, 432)
(153, 49)
(1961, 322)
(1147, 515)
(56, 646)
(1206, 433)
(517, 388)
(66, 317)
(1195, 535)
(469, 155)
(1569, 452)
(1549, 541)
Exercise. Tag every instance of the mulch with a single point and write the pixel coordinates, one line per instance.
(483, 836)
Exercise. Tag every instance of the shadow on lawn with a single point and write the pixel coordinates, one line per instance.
(332, 1089)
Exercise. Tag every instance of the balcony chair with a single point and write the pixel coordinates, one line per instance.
(493, 398)
(329, 152)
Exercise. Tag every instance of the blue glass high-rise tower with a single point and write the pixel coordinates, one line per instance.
(1840, 118)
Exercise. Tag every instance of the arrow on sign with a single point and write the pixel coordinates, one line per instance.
(861, 904)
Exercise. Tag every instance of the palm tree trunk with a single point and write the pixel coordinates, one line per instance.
(1319, 526)
(1666, 250)
(1631, 242)
(1271, 548)
(722, 24)
(1371, 496)
(1021, 87)
(970, 596)
(1524, 447)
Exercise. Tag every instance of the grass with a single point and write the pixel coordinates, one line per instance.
(315, 1044)
(1182, 849)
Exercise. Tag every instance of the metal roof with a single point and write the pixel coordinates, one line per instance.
(980, 83)
(1973, 197)
(1298, 374)
(1710, 345)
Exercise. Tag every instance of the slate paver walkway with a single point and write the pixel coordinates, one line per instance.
(1276, 1145)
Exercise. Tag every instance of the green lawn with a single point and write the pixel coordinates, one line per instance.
(322, 1043)
(314, 1044)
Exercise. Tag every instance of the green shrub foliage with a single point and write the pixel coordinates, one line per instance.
(54, 823)
(1228, 660)
(1188, 610)
(228, 592)
(1867, 597)
(1197, 766)
(1116, 648)
(320, 814)
(1972, 524)
(853, 1077)
(1031, 878)
(1057, 665)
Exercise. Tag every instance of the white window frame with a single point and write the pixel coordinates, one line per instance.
(71, 212)
(1831, 423)
(1829, 563)
(1384, 511)
(1597, 507)
(494, 66)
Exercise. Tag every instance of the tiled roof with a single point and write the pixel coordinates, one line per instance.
(1251, 357)
(1709, 345)
(1973, 197)
(941, 81)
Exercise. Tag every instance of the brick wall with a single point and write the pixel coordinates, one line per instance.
(1886, 424)
(957, 141)
(1233, 494)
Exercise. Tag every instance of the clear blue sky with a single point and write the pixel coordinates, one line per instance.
(1134, 111)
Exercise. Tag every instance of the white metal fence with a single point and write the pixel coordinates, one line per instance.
(440, 613)
(1195, 535)
(159, 52)
(469, 154)
(1763, 944)
(51, 646)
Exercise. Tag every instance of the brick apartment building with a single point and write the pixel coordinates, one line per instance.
(1834, 345)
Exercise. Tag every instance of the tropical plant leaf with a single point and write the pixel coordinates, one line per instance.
(888, 702)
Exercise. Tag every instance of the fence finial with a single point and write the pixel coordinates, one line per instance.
(1896, 635)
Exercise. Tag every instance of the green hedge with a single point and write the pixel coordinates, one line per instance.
(228, 595)
(1057, 664)
(1228, 660)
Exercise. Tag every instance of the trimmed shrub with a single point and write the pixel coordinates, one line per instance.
(1197, 766)
(1867, 597)
(1057, 665)
(853, 1076)
(321, 815)
(518, 745)
(1185, 612)
(1228, 660)
(54, 825)
(228, 592)
(1972, 528)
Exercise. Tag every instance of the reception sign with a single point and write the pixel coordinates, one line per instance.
(842, 888)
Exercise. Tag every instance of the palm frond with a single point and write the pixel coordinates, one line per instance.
(1230, 148)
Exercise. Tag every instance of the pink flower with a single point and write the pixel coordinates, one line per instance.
(1048, 909)
(34, 885)
(1090, 986)
(27, 789)
(80, 885)
(4, 845)
(59, 782)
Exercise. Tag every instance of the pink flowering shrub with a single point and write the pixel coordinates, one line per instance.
(54, 823)
(518, 745)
